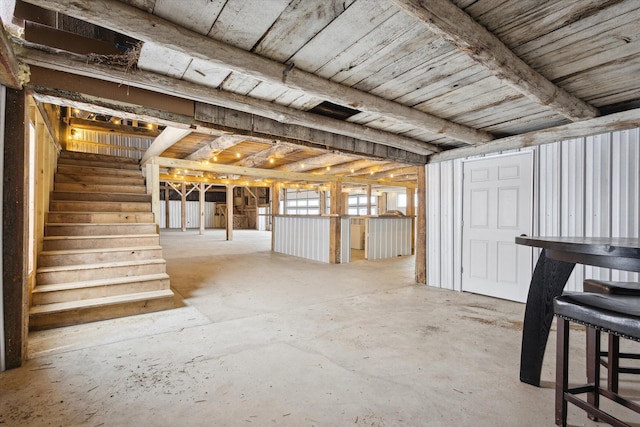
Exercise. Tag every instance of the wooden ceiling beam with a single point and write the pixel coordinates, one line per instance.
(611, 123)
(56, 59)
(189, 165)
(219, 144)
(345, 168)
(397, 172)
(328, 159)
(146, 27)
(277, 151)
(9, 68)
(444, 18)
(164, 141)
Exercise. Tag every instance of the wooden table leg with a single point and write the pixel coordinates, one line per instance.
(548, 281)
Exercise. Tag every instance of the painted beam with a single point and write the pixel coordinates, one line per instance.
(164, 141)
(9, 68)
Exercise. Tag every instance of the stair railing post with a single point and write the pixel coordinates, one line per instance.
(152, 176)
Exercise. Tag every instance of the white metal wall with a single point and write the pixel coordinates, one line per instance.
(306, 237)
(388, 237)
(192, 214)
(582, 187)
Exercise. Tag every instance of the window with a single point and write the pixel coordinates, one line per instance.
(358, 205)
(303, 202)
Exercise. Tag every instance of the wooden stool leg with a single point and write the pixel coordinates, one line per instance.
(613, 362)
(593, 367)
(562, 371)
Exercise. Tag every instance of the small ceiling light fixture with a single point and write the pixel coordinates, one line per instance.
(271, 160)
(353, 170)
(215, 158)
(328, 168)
(391, 175)
(238, 155)
(301, 165)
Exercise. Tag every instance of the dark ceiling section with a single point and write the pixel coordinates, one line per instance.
(335, 111)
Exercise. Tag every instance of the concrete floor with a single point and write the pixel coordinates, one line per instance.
(268, 339)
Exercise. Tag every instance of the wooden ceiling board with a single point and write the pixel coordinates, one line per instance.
(356, 21)
(196, 15)
(240, 84)
(376, 44)
(187, 145)
(161, 60)
(242, 23)
(205, 73)
(286, 36)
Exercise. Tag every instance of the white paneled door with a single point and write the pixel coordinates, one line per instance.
(497, 207)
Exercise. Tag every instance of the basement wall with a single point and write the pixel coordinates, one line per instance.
(586, 186)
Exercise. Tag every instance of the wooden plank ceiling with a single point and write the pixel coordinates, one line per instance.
(356, 87)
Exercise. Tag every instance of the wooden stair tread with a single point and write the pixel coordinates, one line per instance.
(98, 302)
(100, 265)
(101, 236)
(54, 287)
(100, 250)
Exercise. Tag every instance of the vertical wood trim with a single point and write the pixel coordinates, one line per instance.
(229, 215)
(335, 223)
(3, 93)
(183, 207)
(421, 237)
(368, 199)
(201, 200)
(275, 210)
(14, 230)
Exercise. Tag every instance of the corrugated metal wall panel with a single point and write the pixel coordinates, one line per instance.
(388, 237)
(111, 144)
(192, 217)
(305, 237)
(582, 187)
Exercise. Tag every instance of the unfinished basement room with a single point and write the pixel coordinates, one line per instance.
(320, 213)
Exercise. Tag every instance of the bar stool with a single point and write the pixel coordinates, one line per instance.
(612, 355)
(613, 314)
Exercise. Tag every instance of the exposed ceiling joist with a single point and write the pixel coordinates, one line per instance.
(345, 168)
(291, 134)
(136, 23)
(278, 151)
(9, 68)
(214, 147)
(166, 139)
(454, 25)
(323, 160)
(216, 168)
(614, 122)
(397, 172)
(79, 65)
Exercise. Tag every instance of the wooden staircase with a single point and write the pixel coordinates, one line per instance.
(101, 254)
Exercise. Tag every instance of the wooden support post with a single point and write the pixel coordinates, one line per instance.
(201, 187)
(15, 190)
(167, 193)
(183, 206)
(275, 198)
(368, 199)
(421, 225)
(323, 202)
(344, 203)
(229, 212)
(411, 211)
(335, 225)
